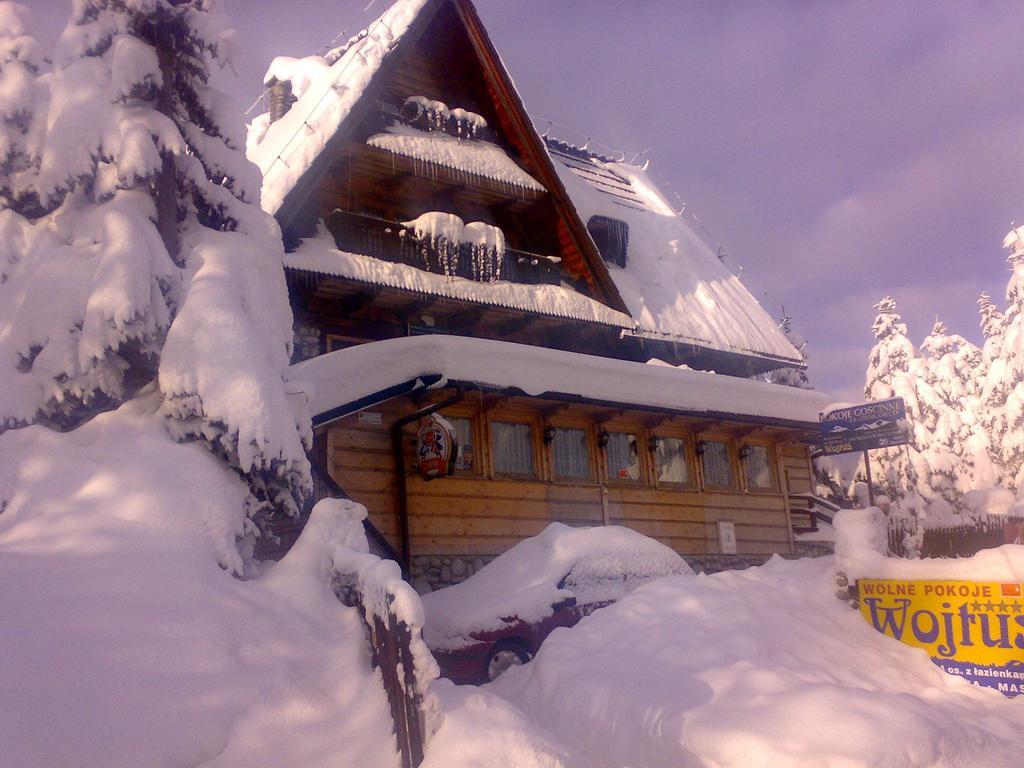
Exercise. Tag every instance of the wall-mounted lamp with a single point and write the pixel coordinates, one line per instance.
(602, 439)
(653, 443)
(744, 452)
(702, 446)
(549, 435)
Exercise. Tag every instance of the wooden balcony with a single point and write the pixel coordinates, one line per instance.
(394, 242)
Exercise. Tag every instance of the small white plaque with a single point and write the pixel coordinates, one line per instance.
(370, 417)
(727, 537)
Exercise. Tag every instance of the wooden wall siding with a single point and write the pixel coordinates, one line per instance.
(362, 463)
(475, 514)
(797, 469)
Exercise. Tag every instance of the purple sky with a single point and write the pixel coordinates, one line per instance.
(839, 151)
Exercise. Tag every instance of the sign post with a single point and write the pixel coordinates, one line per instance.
(853, 428)
(867, 471)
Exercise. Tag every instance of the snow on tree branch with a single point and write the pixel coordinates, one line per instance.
(145, 258)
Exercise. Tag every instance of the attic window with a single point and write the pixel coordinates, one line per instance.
(611, 236)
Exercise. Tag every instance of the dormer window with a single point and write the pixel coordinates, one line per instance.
(611, 236)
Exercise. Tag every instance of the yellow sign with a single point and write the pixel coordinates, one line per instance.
(974, 630)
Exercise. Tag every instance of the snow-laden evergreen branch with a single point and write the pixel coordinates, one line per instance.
(144, 258)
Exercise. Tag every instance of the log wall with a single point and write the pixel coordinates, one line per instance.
(479, 514)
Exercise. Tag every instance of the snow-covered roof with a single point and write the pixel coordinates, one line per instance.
(673, 283)
(358, 376)
(321, 256)
(326, 94)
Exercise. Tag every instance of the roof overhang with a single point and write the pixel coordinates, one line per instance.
(352, 379)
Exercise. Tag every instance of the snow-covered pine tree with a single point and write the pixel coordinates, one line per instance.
(92, 292)
(791, 377)
(1003, 391)
(22, 109)
(942, 404)
(892, 370)
(983, 455)
(992, 323)
(155, 262)
(977, 466)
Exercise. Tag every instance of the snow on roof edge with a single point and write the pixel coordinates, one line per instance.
(349, 375)
(326, 104)
(784, 362)
(314, 255)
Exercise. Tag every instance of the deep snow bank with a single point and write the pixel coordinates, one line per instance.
(753, 668)
(124, 643)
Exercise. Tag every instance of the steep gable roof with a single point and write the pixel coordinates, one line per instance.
(294, 153)
(328, 100)
(675, 286)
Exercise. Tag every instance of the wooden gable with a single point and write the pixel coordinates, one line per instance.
(447, 56)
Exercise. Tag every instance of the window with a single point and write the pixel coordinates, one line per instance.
(622, 456)
(611, 236)
(464, 434)
(570, 454)
(670, 460)
(513, 448)
(756, 467)
(716, 463)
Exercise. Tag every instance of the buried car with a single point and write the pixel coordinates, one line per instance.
(499, 616)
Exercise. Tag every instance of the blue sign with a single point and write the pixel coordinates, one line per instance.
(880, 424)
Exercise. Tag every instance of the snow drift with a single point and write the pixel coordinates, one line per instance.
(124, 643)
(755, 669)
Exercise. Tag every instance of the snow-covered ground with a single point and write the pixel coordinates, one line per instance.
(124, 644)
(755, 668)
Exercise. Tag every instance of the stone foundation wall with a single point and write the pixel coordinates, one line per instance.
(306, 340)
(814, 548)
(716, 563)
(430, 572)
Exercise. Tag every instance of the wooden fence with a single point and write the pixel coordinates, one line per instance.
(385, 602)
(963, 540)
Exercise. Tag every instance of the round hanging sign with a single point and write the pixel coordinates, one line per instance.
(437, 446)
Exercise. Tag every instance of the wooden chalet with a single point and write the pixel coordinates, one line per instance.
(445, 258)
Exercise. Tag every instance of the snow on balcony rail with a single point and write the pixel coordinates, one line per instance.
(354, 374)
(442, 243)
(320, 255)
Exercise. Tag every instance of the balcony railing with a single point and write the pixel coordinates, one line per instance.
(388, 114)
(393, 241)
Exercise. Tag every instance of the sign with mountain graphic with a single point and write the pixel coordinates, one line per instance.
(863, 427)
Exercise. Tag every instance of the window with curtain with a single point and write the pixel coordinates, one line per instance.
(757, 468)
(464, 434)
(570, 454)
(513, 448)
(670, 459)
(622, 456)
(716, 464)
